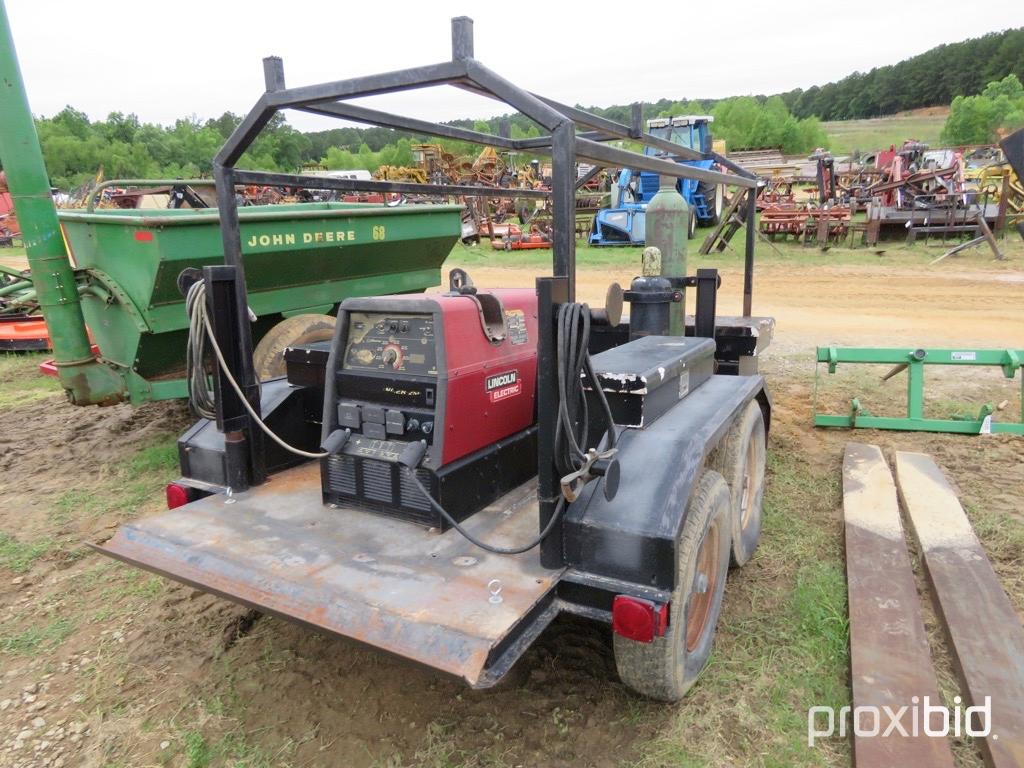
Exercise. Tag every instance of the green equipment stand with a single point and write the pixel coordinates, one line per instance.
(914, 362)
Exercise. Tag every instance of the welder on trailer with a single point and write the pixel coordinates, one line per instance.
(484, 458)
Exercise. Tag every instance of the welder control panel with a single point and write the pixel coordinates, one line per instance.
(388, 342)
(388, 376)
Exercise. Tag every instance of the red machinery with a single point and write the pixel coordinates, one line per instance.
(516, 240)
(21, 329)
(9, 228)
(23, 334)
(453, 373)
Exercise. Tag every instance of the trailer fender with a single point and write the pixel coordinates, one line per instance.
(764, 399)
(633, 538)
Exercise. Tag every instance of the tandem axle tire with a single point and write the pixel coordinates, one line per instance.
(668, 666)
(268, 358)
(740, 459)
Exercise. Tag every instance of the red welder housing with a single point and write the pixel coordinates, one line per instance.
(428, 360)
(491, 387)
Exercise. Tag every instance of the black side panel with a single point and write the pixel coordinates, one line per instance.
(463, 487)
(1013, 148)
(643, 379)
(633, 537)
(293, 413)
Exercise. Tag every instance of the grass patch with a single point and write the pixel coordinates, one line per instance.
(782, 643)
(846, 136)
(120, 589)
(161, 457)
(134, 482)
(20, 380)
(34, 640)
(232, 749)
(782, 253)
(18, 556)
(197, 751)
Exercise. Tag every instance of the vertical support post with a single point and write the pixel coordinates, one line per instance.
(551, 291)
(1004, 195)
(563, 198)
(637, 119)
(244, 456)
(462, 38)
(707, 299)
(273, 73)
(748, 261)
(915, 389)
(243, 370)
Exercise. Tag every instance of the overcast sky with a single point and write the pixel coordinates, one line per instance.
(163, 59)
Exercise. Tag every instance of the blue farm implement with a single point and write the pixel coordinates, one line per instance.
(624, 222)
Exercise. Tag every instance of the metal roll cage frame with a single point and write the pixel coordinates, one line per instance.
(564, 143)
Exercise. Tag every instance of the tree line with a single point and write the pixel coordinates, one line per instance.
(75, 147)
(934, 77)
(996, 111)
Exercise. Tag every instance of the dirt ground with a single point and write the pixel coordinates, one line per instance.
(853, 304)
(106, 666)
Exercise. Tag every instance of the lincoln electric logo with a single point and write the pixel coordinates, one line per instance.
(503, 385)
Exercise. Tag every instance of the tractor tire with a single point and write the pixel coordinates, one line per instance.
(667, 667)
(714, 195)
(740, 459)
(268, 359)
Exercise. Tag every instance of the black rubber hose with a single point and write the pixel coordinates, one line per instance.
(559, 507)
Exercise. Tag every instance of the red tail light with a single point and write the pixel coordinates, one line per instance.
(177, 495)
(640, 620)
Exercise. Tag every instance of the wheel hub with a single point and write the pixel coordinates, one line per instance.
(703, 588)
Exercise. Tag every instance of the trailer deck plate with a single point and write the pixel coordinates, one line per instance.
(415, 592)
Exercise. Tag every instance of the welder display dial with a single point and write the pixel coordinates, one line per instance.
(392, 356)
(391, 342)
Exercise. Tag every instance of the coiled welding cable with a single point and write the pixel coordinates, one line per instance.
(572, 425)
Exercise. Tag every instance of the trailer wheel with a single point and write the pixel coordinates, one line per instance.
(667, 667)
(268, 359)
(740, 459)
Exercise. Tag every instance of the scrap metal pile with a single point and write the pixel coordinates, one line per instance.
(822, 225)
(819, 215)
(958, 192)
(914, 177)
(21, 322)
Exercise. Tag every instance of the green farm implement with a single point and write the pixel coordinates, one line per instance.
(300, 259)
(913, 362)
(113, 274)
